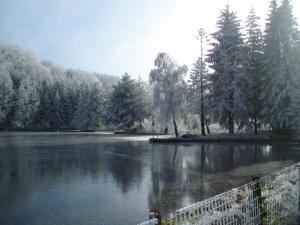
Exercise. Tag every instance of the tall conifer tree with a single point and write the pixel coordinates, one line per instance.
(254, 48)
(226, 58)
(280, 65)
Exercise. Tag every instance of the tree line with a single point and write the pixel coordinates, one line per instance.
(248, 80)
(36, 95)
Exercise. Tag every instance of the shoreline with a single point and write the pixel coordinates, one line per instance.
(140, 133)
(52, 130)
(227, 138)
(185, 138)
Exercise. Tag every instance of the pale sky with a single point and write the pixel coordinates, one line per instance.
(116, 36)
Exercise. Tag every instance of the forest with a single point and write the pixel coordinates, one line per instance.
(45, 96)
(248, 81)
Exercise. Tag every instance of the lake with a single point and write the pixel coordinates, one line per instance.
(99, 178)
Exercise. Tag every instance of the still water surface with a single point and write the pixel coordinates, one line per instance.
(101, 179)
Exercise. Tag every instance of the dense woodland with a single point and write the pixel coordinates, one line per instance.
(249, 80)
(36, 95)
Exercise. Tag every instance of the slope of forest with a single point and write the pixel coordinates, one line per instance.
(44, 96)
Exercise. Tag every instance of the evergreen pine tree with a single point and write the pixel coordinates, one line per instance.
(56, 111)
(142, 103)
(42, 116)
(96, 106)
(126, 104)
(226, 58)
(282, 74)
(27, 104)
(254, 48)
(199, 84)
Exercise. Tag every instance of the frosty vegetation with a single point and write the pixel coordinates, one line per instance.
(249, 80)
(43, 95)
(128, 104)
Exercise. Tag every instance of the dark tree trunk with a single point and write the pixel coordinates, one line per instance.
(202, 89)
(207, 127)
(175, 125)
(230, 111)
(166, 131)
(255, 125)
(202, 123)
(153, 124)
(231, 123)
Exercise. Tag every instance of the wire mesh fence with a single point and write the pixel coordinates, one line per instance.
(270, 200)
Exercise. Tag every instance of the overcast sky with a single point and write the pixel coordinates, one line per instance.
(115, 36)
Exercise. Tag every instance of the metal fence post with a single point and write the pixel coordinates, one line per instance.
(155, 214)
(257, 194)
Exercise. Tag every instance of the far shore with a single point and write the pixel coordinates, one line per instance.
(225, 137)
(161, 137)
(54, 130)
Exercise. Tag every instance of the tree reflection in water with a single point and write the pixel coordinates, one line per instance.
(88, 176)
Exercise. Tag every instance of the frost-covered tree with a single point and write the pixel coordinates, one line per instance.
(226, 59)
(96, 106)
(90, 108)
(143, 102)
(199, 84)
(254, 48)
(42, 116)
(294, 110)
(56, 114)
(271, 61)
(126, 105)
(43, 95)
(281, 66)
(22, 63)
(6, 93)
(169, 88)
(199, 88)
(28, 102)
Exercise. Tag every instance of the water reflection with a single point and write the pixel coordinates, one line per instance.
(89, 179)
(184, 174)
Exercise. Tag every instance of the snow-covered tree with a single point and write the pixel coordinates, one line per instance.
(271, 61)
(22, 63)
(56, 114)
(6, 93)
(45, 95)
(254, 48)
(126, 105)
(199, 88)
(169, 88)
(281, 66)
(43, 113)
(81, 116)
(226, 59)
(96, 106)
(199, 84)
(294, 110)
(143, 102)
(89, 111)
(27, 105)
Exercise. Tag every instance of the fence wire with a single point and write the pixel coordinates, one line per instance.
(270, 200)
